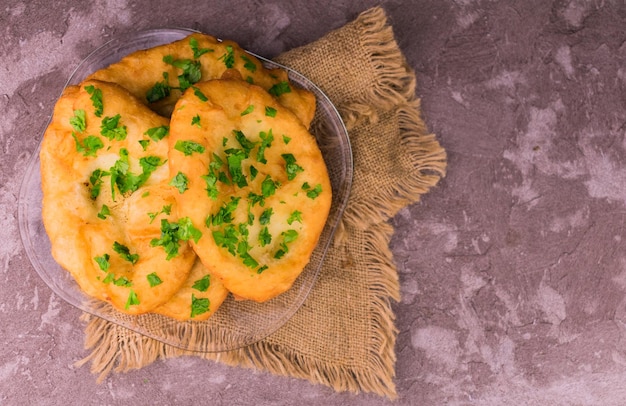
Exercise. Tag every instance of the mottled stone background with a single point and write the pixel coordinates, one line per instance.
(512, 270)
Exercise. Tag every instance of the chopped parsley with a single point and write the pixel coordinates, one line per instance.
(195, 120)
(124, 253)
(253, 172)
(202, 284)
(111, 129)
(289, 236)
(103, 262)
(96, 99)
(199, 94)
(191, 71)
(312, 193)
(188, 147)
(96, 182)
(167, 209)
(157, 133)
(197, 52)
(127, 181)
(199, 305)
(248, 110)
(224, 213)
(269, 186)
(133, 300)
(248, 64)
(144, 144)
(245, 143)
(234, 158)
(291, 166)
(261, 269)
(270, 111)
(286, 139)
(104, 212)
(265, 237)
(160, 90)
(173, 233)
(266, 142)
(90, 145)
(79, 121)
(296, 215)
(123, 281)
(153, 279)
(180, 182)
(280, 88)
(266, 216)
(229, 57)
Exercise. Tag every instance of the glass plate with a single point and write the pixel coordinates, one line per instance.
(236, 323)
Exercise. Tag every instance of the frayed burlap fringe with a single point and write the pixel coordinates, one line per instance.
(391, 96)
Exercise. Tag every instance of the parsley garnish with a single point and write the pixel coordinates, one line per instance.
(103, 262)
(96, 182)
(90, 145)
(265, 237)
(123, 281)
(248, 63)
(224, 214)
(312, 193)
(234, 158)
(79, 121)
(160, 90)
(199, 94)
(180, 182)
(279, 89)
(104, 212)
(289, 236)
(253, 172)
(245, 143)
(110, 128)
(153, 279)
(261, 269)
(197, 52)
(270, 111)
(265, 216)
(165, 210)
(144, 144)
(199, 305)
(195, 120)
(229, 57)
(96, 99)
(291, 167)
(226, 238)
(266, 142)
(158, 133)
(133, 300)
(191, 71)
(202, 284)
(296, 215)
(268, 186)
(188, 147)
(124, 253)
(248, 110)
(286, 139)
(173, 233)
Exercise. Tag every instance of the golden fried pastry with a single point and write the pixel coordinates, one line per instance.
(159, 75)
(107, 205)
(199, 297)
(253, 180)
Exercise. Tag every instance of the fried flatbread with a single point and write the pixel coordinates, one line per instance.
(159, 74)
(107, 205)
(198, 299)
(255, 183)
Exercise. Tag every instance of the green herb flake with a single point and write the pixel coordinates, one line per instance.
(199, 305)
(266, 142)
(79, 121)
(172, 233)
(315, 192)
(187, 231)
(265, 237)
(104, 212)
(279, 89)
(165, 210)
(188, 147)
(224, 213)
(103, 262)
(262, 269)
(96, 99)
(109, 278)
(248, 110)
(96, 182)
(234, 158)
(229, 57)
(160, 90)
(226, 238)
(286, 139)
(153, 279)
(199, 94)
(180, 182)
(144, 144)
(296, 215)
(124, 253)
(123, 281)
(195, 120)
(192, 72)
(197, 51)
(291, 166)
(253, 172)
(269, 186)
(133, 300)
(270, 111)
(157, 133)
(202, 284)
(248, 63)
(90, 145)
(111, 129)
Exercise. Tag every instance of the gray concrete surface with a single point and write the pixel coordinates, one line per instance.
(513, 270)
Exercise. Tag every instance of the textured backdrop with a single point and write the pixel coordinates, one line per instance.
(512, 270)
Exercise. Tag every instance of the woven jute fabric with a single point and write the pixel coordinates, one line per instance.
(344, 334)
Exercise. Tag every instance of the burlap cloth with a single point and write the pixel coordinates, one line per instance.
(344, 334)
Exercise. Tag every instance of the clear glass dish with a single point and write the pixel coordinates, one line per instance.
(237, 323)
